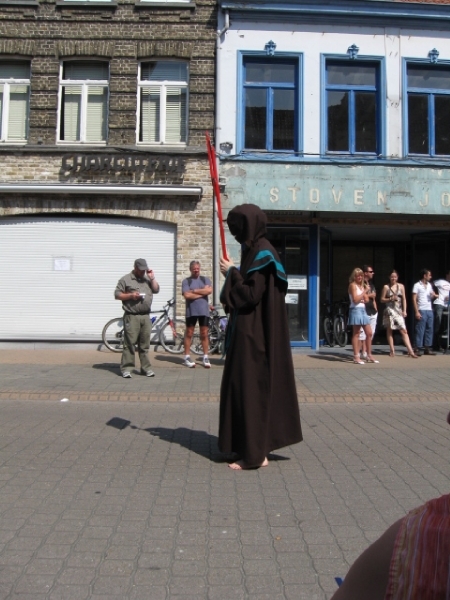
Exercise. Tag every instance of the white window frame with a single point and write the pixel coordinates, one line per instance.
(84, 84)
(163, 85)
(4, 125)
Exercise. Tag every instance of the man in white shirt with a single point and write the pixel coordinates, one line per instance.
(443, 287)
(422, 298)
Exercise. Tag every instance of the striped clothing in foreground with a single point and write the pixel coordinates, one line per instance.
(420, 564)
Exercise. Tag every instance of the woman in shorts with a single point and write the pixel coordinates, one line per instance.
(358, 318)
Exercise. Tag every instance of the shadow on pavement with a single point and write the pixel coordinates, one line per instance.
(200, 442)
(178, 359)
(111, 367)
(332, 356)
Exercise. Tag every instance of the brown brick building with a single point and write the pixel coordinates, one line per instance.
(104, 107)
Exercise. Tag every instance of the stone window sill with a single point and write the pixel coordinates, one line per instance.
(167, 5)
(85, 4)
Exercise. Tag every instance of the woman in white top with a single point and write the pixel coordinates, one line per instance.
(393, 295)
(357, 293)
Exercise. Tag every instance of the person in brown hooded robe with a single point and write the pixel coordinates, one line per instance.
(258, 400)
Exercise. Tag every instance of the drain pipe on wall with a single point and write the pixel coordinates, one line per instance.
(216, 253)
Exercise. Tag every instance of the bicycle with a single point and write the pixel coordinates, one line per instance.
(167, 331)
(216, 333)
(328, 328)
(340, 323)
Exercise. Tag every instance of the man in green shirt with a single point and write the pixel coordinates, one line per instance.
(136, 290)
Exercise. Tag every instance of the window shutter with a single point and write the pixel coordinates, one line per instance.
(18, 112)
(96, 114)
(71, 113)
(150, 114)
(175, 115)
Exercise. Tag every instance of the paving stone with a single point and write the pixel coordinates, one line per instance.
(98, 513)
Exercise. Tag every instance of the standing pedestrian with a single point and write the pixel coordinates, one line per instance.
(136, 290)
(195, 290)
(422, 298)
(371, 308)
(393, 296)
(357, 315)
(443, 287)
(258, 399)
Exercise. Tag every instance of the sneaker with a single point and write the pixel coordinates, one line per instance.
(126, 374)
(364, 355)
(206, 362)
(187, 362)
(148, 373)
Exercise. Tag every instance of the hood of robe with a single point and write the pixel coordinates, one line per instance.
(247, 222)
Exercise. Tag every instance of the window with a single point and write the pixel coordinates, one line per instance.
(428, 110)
(270, 104)
(84, 102)
(163, 87)
(14, 100)
(352, 105)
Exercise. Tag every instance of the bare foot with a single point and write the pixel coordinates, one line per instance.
(240, 465)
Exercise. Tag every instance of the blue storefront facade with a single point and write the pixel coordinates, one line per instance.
(337, 128)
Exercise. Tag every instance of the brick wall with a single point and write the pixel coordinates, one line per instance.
(49, 33)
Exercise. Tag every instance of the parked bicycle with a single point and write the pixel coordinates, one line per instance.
(328, 329)
(340, 322)
(335, 323)
(166, 330)
(216, 333)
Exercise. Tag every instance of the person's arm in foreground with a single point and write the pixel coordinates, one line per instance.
(368, 577)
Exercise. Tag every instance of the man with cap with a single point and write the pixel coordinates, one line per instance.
(136, 290)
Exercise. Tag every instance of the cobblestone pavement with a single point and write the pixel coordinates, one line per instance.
(130, 499)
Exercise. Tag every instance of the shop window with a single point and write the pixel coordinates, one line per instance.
(270, 111)
(163, 98)
(428, 109)
(83, 102)
(352, 107)
(14, 100)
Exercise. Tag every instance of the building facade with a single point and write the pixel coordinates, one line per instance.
(104, 107)
(334, 118)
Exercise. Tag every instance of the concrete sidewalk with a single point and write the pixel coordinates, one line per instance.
(131, 500)
(88, 373)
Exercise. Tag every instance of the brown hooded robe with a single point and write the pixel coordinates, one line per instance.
(258, 400)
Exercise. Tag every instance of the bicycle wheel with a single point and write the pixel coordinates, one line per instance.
(340, 331)
(112, 335)
(171, 336)
(328, 331)
(213, 339)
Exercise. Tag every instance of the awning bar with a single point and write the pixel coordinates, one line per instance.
(135, 190)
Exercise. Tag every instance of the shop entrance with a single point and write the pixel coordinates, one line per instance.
(297, 249)
(405, 250)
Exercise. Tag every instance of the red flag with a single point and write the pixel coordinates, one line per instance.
(216, 188)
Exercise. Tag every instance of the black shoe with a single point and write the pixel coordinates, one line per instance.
(429, 352)
(417, 351)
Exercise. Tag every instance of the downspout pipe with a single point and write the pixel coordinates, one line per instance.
(217, 130)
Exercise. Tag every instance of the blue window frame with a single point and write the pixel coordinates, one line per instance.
(353, 107)
(270, 104)
(428, 109)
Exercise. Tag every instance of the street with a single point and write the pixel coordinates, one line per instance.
(130, 499)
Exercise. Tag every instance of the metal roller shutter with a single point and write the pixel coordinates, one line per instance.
(59, 273)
